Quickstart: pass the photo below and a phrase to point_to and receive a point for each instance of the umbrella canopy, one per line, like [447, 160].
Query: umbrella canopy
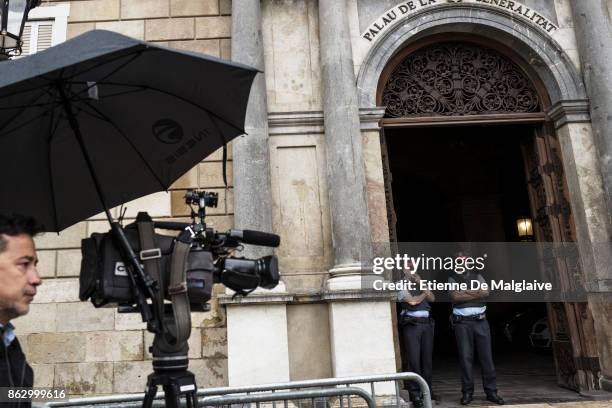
[103, 119]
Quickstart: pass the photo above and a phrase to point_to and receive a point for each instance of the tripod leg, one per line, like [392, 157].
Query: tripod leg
[148, 399]
[172, 397]
[192, 400]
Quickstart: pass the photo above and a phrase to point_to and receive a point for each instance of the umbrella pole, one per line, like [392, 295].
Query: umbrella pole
[74, 125]
[149, 283]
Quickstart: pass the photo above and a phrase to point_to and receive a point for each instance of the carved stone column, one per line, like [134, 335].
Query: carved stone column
[252, 189]
[263, 314]
[594, 38]
[345, 168]
[356, 323]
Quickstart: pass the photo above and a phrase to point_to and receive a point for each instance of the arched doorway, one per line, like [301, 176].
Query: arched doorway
[444, 82]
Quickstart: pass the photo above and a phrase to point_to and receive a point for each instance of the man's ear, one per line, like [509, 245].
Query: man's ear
[3, 243]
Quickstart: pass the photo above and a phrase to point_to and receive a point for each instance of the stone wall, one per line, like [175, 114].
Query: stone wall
[69, 343]
[196, 25]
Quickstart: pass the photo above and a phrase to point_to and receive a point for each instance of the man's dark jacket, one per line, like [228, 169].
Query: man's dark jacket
[14, 371]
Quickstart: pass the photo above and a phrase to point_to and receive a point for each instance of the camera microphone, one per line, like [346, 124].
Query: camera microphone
[171, 225]
[245, 236]
[255, 237]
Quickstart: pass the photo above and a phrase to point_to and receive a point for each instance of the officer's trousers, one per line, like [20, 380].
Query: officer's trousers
[418, 345]
[470, 335]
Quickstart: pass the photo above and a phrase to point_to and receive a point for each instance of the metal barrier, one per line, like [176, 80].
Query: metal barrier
[290, 395]
[270, 391]
[135, 400]
[330, 382]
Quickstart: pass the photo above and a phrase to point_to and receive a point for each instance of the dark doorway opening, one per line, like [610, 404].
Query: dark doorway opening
[468, 184]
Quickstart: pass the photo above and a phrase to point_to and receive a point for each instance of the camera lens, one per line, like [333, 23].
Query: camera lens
[245, 273]
[267, 268]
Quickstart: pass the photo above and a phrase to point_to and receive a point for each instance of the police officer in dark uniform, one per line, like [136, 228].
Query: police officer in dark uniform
[418, 334]
[472, 332]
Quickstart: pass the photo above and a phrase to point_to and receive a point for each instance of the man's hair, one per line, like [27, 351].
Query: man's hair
[15, 224]
[463, 252]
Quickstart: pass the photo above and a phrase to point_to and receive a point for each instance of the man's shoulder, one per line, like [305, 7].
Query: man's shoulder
[15, 347]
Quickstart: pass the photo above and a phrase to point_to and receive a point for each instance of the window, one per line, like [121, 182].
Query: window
[46, 26]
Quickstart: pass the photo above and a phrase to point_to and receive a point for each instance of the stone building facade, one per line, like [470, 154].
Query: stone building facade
[98, 351]
[312, 170]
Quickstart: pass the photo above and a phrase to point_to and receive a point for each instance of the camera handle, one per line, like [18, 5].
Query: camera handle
[177, 287]
[148, 283]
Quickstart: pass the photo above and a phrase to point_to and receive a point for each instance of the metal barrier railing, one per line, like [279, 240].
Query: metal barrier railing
[135, 400]
[270, 391]
[290, 395]
[330, 382]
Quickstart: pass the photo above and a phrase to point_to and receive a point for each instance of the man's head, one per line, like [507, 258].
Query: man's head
[409, 269]
[460, 257]
[18, 274]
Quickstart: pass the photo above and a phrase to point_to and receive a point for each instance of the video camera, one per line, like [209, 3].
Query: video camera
[104, 277]
[140, 271]
[165, 277]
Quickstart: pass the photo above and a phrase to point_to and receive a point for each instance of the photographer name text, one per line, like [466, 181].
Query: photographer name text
[473, 284]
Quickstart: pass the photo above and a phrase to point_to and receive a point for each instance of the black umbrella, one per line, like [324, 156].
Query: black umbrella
[103, 119]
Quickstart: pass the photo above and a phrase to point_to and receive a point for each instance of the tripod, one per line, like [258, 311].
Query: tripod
[170, 364]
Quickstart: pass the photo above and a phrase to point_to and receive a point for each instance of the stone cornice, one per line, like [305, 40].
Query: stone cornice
[370, 117]
[281, 298]
[308, 297]
[358, 295]
[569, 111]
[312, 122]
[296, 118]
[295, 123]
